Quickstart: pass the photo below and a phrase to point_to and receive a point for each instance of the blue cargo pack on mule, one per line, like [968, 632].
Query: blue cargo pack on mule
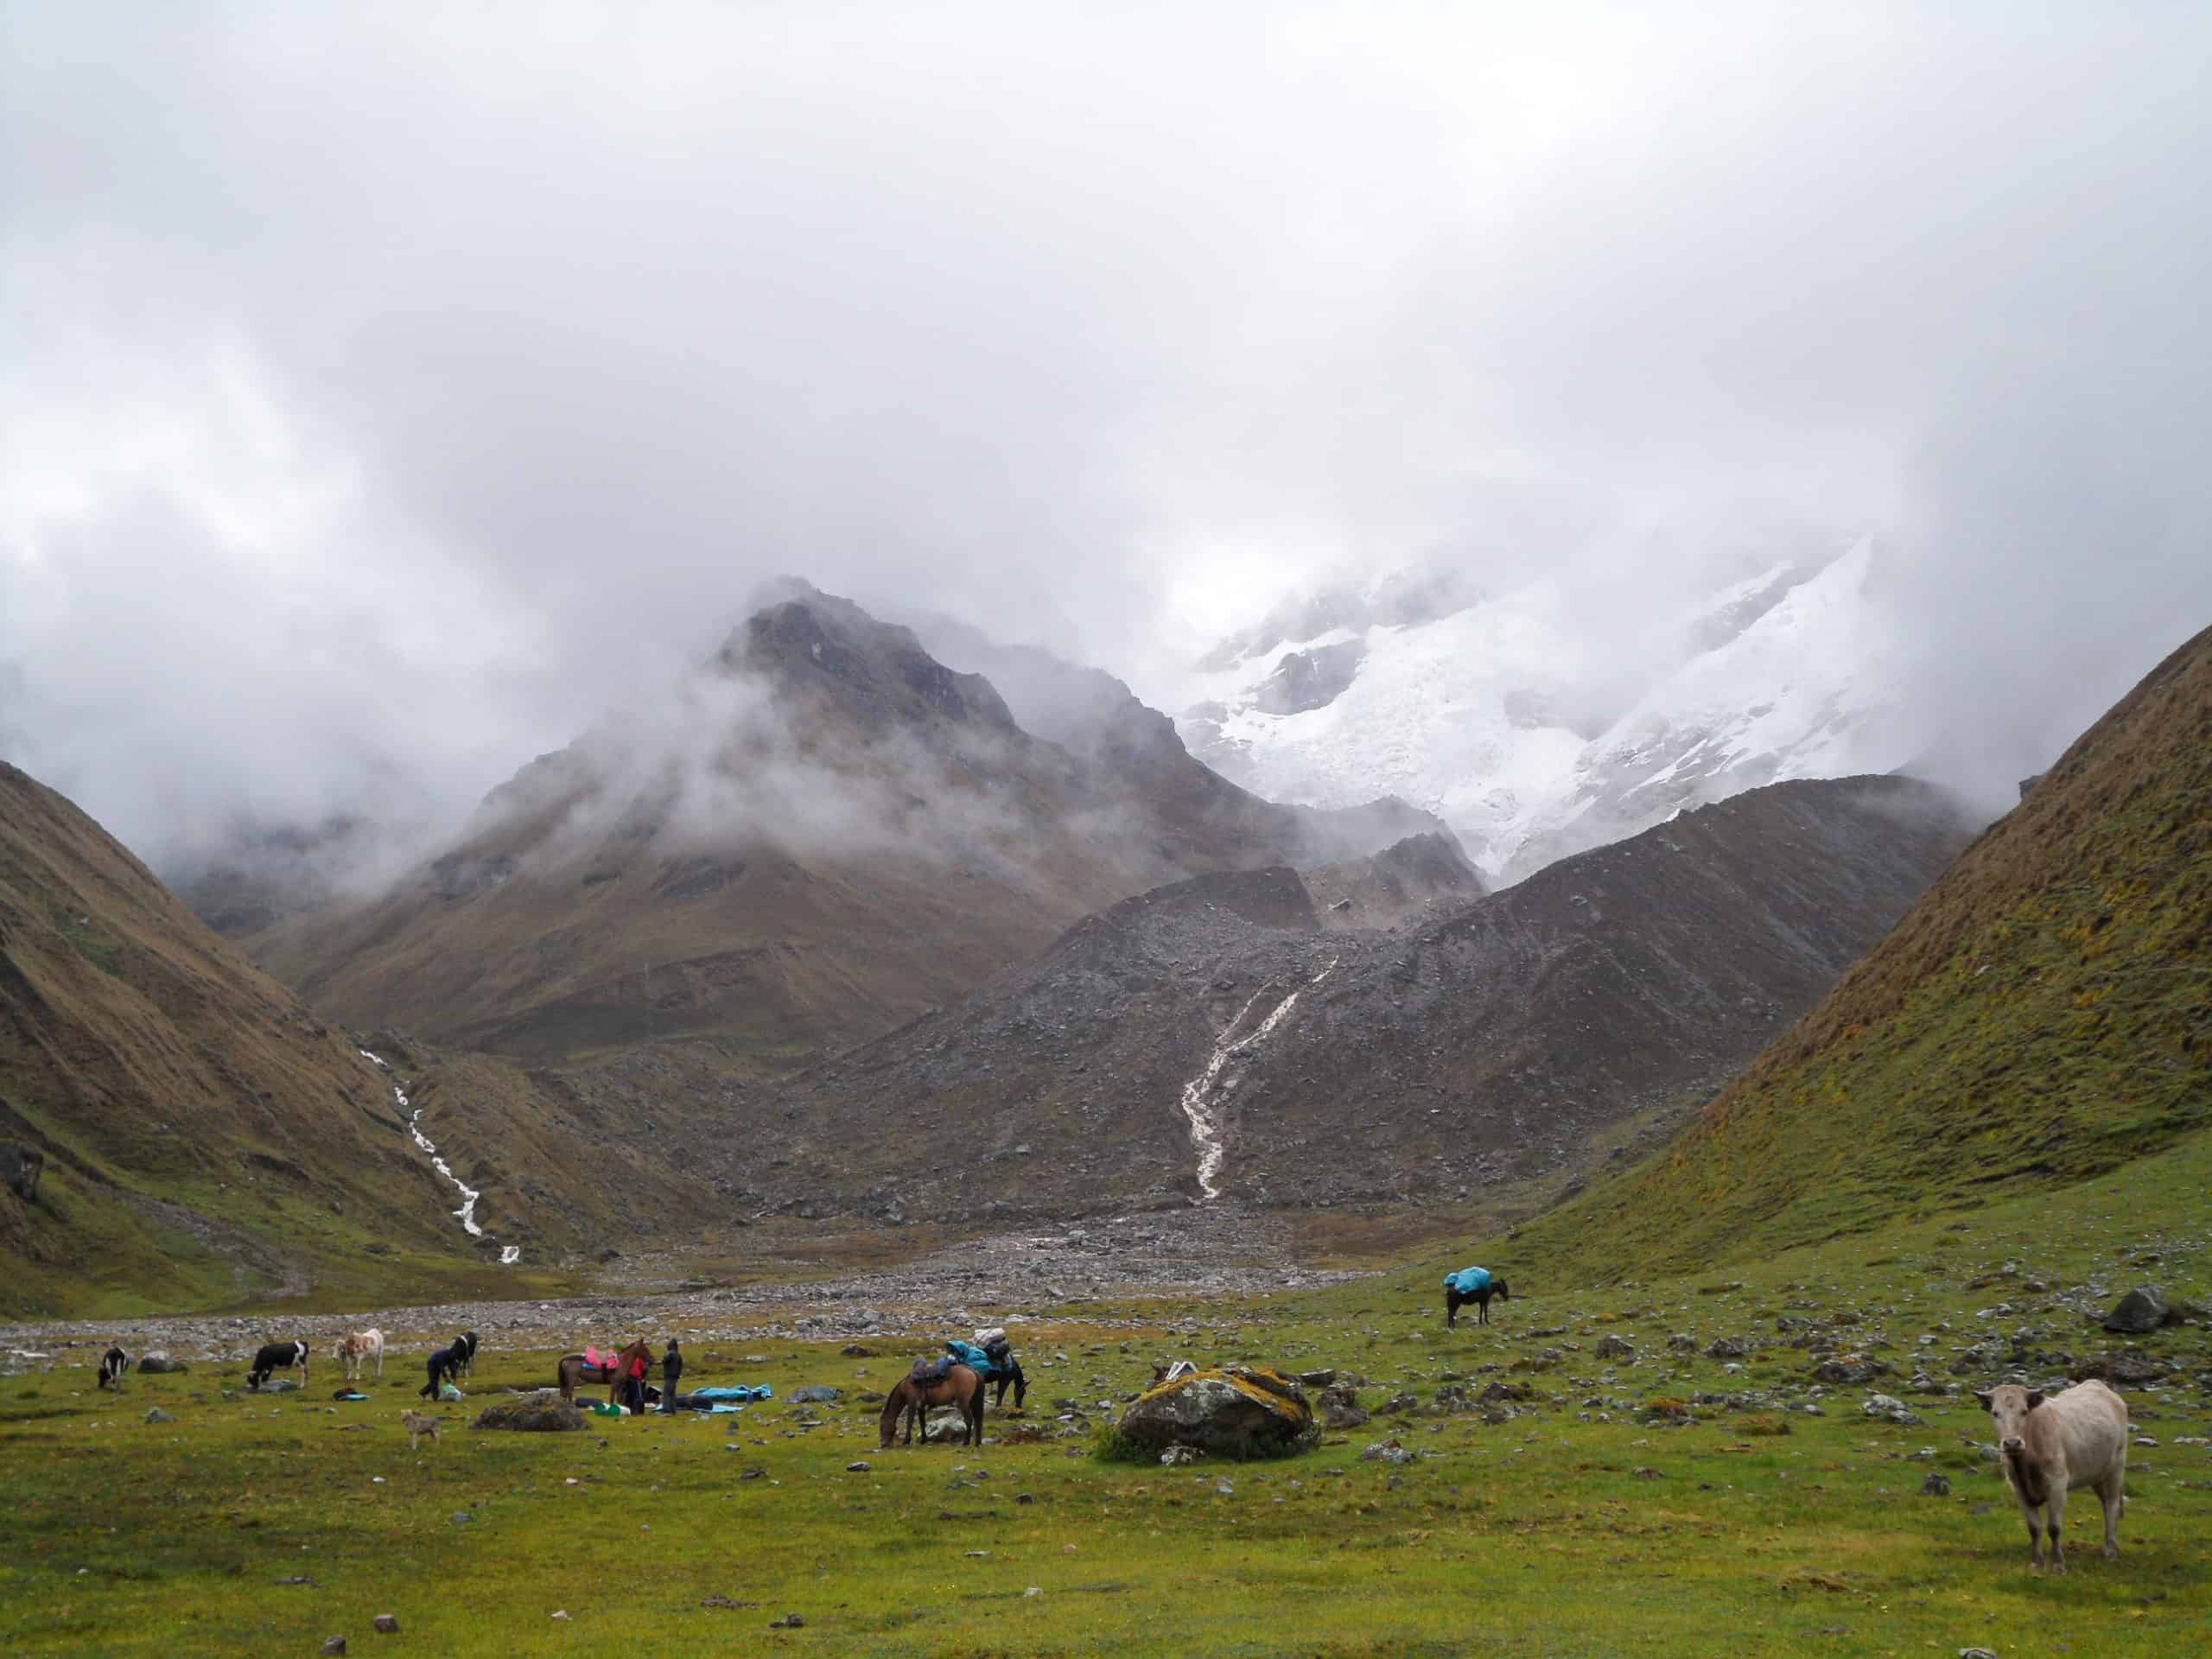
[1468, 1280]
[968, 1354]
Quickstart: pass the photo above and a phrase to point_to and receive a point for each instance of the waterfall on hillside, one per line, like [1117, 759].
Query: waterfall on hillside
[1205, 1098]
[510, 1254]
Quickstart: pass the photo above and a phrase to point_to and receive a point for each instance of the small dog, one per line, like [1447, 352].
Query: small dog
[418, 1424]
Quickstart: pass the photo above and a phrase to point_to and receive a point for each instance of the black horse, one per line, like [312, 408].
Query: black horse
[1453, 1301]
[1006, 1371]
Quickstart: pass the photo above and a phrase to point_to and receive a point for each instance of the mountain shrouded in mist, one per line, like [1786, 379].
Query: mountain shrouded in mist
[815, 834]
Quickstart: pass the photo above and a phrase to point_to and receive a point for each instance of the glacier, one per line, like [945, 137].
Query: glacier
[1508, 720]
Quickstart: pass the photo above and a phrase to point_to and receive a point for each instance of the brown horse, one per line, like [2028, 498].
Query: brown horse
[574, 1370]
[958, 1387]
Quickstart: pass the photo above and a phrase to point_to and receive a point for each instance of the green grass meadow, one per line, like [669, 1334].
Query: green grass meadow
[1554, 1533]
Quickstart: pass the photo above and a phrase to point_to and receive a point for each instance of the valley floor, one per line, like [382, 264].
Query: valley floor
[833, 1285]
[1662, 1502]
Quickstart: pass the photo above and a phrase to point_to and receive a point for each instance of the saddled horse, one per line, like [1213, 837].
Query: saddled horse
[912, 1398]
[1455, 1299]
[574, 1370]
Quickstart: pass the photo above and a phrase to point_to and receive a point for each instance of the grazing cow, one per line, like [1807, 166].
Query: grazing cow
[277, 1356]
[2052, 1443]
[464, 1351]
[113, 1364]
[360, 1348]
[1471, 1285]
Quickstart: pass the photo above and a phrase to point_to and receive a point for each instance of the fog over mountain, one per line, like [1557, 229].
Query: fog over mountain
[386, 394]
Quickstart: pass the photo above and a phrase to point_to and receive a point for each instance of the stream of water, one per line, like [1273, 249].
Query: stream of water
[510, 1254]
[1205, 1098]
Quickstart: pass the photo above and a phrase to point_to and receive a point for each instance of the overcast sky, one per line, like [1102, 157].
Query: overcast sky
[384, 391]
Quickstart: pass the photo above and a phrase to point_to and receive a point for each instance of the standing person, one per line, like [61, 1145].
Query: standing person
[633, 1388]
[671, 1371]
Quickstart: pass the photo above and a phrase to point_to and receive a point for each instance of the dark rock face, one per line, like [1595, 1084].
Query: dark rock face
[1312, 679]
[1234, 1411]
[20, 1167]
[2027, 783]
[2142, 1311]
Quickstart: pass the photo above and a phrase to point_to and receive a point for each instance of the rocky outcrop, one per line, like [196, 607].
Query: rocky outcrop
[1233, 1411]
[2142, 1311]
[1306, 680]
[20, 1168]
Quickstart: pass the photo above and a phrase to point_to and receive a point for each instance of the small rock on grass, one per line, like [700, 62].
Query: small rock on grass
[387, 1625]
[858, 1466]
[788, 1621]
[157, 1415]
[1977, 1653]
[1935, 1486]
[335, 1644]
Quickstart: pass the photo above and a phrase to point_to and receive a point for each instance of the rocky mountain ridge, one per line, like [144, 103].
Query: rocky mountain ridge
[1485, 1041]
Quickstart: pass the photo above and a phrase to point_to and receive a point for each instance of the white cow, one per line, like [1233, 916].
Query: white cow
[2077, 1437]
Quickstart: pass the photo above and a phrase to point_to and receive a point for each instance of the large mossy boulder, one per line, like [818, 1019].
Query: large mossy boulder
[1230, 1411]
[543, 1412]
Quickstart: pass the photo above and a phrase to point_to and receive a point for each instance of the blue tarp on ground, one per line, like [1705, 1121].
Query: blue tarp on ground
[758, 1391]
[1468, 1280]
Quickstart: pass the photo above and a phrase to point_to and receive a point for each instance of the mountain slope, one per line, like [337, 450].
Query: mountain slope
[822, 832]
[1486, 1044]
[2043, 1013]
[206, 1139]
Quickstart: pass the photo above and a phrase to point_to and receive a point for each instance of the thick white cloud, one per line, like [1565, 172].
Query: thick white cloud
[384, 392]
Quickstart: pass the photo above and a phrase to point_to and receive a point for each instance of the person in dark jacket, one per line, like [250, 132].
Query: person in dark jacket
[671, 1373]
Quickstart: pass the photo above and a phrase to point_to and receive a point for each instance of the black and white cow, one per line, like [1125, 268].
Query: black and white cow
[277, 1356]
[464, 1352]
[113, 1364]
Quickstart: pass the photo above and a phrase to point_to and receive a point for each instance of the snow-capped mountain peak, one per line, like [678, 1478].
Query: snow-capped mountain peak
[1534, 739]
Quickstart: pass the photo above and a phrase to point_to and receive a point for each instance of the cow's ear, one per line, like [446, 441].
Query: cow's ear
[1982, 1396]
[2035, 1398]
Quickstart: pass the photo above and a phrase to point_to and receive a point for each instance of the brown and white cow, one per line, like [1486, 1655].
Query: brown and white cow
[361, 1347]
[2053, 1443]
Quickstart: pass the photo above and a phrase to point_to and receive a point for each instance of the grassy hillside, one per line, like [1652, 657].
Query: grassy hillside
[209, 1141]
[2043, 1015]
